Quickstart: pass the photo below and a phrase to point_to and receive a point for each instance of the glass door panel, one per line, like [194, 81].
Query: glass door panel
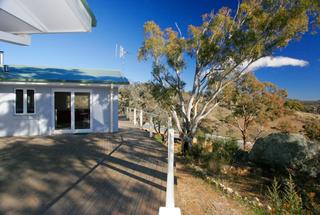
[82, 110]
[62, 107]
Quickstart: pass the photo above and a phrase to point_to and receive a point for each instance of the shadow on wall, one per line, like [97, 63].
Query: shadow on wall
[24, 125]
[100, 110]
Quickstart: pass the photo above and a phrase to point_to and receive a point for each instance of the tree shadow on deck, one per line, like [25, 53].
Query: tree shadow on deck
[34, 171]
[59, 174]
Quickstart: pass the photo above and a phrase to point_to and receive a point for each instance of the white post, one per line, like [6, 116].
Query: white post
[130, 116]
[150, 126]
[127, 113]
[111, 108]
[170, 209]
[169, 122]
[141, 118]
[134, 116]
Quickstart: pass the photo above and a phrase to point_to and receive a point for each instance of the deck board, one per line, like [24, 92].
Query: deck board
[72, 174]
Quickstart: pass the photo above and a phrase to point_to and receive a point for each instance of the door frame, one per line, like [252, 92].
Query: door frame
[72, 91]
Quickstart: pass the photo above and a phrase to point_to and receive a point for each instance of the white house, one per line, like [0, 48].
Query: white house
[46, 101]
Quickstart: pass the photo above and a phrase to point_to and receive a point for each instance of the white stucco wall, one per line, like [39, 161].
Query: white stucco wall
[41, 123]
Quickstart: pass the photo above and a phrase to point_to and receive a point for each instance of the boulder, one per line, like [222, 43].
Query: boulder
[282, 150]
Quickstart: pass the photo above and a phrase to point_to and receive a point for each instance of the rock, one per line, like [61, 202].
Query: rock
[269, 208]
[229, 190]
[282, 150]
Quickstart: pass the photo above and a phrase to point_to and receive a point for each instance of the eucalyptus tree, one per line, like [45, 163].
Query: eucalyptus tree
[254, 103]
[221, 49]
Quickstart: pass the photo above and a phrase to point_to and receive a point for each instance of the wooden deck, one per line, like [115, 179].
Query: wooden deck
[83, 174]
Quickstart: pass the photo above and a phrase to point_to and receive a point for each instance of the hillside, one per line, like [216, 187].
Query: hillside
[218, 124]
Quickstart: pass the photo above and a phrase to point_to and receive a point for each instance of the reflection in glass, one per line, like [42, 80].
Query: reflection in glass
[30, 101]
[62, 106]
[19, 101]
[82, 110]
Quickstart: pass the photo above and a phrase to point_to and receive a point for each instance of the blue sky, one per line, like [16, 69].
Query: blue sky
[122, 22]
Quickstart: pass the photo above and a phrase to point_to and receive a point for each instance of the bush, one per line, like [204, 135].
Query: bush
[225, 149]
[201, 136]
[223, 152]
[286, 126]
[158, 138]
[312, 129]
[197, 151]
[294, 105]
[287, 201]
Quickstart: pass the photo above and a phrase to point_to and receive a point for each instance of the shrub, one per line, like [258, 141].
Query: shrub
[225, 149]
[294, 105]
[312, 129]
[286, 126]
[201, 136]
[287, 201]
[223, 152]
[158, 138]
[197, 151]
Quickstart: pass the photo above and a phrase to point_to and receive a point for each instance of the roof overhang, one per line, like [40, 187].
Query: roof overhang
[21, 18]
[59, 84]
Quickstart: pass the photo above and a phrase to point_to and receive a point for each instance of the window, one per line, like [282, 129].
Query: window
[25, 101]
[30, 101]
[19, 101]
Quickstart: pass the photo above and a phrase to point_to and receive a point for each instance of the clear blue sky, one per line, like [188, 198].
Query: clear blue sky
[121, 22]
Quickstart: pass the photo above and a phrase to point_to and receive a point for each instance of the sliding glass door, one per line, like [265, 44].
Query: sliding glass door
[72, 111]
[82, 110]
[62, 107]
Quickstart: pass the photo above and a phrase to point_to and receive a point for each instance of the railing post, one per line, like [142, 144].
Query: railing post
[169, 209]
[134, 116]
[169, 122]
[141, 118]
[127, 113]
[150, 126]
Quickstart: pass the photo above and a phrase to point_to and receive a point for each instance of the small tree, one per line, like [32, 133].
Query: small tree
[295, 105]
[254, 103]
[222, 48]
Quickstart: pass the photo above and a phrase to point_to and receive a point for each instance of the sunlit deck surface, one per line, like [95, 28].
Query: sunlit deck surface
[83, 174]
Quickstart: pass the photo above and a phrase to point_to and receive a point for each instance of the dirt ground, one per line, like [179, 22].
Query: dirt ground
[195, 196]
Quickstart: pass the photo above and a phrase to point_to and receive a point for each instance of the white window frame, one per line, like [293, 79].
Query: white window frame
[73, 129]
[25, 102]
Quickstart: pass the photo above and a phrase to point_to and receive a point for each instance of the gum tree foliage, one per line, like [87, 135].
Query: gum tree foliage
[254, 103]
[139, 95]
[221, 48]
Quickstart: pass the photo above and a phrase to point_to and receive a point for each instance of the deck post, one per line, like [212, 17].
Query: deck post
[150, 126]
[141, 118]
[169, 122]
[169, 208]
[127, 113]
[134, 116]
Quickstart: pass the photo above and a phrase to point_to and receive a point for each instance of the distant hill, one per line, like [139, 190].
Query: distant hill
[311, 106]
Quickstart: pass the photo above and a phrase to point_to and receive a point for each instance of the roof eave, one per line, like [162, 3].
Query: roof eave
[93, 18]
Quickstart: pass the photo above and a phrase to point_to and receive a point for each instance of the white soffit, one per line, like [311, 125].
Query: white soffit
[22, 17]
